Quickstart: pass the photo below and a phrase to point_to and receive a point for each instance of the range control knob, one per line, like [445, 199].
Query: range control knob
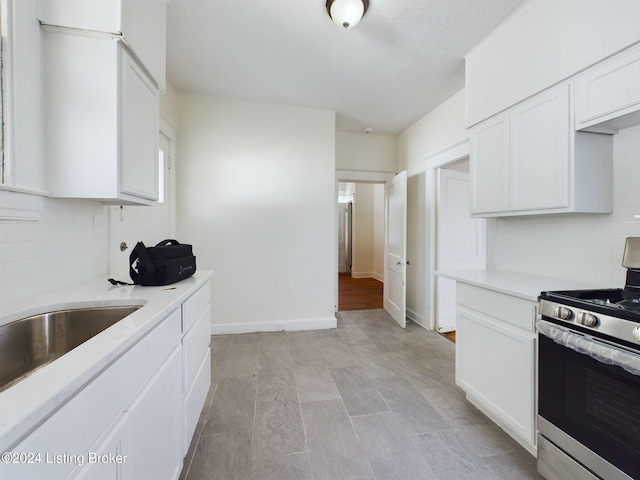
[636, 334]
[587, 319]
[564, 313]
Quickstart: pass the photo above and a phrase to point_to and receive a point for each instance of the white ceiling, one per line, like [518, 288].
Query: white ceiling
[403, 59]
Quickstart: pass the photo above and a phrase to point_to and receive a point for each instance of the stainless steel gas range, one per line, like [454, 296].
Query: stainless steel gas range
[589, 380]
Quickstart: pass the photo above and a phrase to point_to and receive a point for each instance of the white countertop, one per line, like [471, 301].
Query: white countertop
[26, 404]
[517, 284]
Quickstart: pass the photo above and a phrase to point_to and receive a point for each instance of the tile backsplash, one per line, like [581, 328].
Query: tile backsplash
[60, 249]
[581, 247]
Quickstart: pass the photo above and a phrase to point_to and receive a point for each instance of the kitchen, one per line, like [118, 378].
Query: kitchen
[56, 242]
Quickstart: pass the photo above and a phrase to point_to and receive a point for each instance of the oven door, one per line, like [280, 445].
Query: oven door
[589, 401]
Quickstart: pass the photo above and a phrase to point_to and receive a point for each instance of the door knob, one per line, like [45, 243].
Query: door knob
[408, 262]
[399, 263]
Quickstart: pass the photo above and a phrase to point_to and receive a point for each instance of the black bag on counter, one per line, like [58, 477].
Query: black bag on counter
[166, 263]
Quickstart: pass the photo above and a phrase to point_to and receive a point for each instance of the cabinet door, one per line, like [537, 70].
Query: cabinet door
[539, 151]
[110, 459]
[609, 89]
[489, 166]
[156, 424]
[138, 131]
[195, 398]
[495, 365]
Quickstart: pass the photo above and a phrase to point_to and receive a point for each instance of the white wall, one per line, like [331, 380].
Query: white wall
[256, 198]
[44, 243]
[368, 231]
[366, 152]
[362, 259]
[58, 250]
[169, 107]
[585, 248]
[542, 43]
[436, 131]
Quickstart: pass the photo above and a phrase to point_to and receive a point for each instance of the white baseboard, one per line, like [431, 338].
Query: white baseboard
[375, 275]
[362, 274]
[276, 326]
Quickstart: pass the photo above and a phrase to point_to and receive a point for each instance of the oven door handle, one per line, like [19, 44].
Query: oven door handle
[599, 351]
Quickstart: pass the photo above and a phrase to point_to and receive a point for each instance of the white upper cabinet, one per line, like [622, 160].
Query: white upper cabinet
[539, 149]
[141, 23]
[101, 120]
[529, 160]
[490, 166]
[138, 128]
[608, 94]
[543, 43]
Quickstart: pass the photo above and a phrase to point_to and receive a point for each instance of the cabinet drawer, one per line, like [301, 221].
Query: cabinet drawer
[195, 306]
[195, 398]
[512, 310]
[98, 405]
[194, 346]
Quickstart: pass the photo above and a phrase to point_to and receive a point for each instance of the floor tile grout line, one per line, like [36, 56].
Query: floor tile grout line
[304, 428]
[255, 410]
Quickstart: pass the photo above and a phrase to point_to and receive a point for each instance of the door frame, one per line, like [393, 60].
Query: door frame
[355, 176]
[445, 287]
[454, 153]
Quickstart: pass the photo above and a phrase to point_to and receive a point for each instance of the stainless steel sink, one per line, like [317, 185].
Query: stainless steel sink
[33, 342]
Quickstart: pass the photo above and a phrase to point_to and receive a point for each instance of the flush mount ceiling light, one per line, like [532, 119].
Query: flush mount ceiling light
[347, 13]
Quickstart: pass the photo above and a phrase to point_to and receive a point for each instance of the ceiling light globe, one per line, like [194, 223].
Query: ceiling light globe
[346, 13]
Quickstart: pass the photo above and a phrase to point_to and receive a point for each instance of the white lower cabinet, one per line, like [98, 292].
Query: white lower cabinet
[196, 364]
[135, 420]
[496, 359]
[156, 449]
[111, 458]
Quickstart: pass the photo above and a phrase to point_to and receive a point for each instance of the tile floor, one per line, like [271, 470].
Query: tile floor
[368, 400]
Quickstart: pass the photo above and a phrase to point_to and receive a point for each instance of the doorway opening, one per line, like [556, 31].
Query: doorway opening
[459, 238]
[360, 213]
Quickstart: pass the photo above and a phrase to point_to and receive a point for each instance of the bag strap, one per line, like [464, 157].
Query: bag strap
[168, 241]
[141, 254]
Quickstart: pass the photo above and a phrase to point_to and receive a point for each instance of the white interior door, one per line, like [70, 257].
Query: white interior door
[395, 248]
[460, 241]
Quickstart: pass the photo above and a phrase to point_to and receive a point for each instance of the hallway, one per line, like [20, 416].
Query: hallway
[358, 293]
[367, 400]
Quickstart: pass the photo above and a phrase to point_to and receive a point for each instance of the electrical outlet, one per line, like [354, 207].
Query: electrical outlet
[98, 225]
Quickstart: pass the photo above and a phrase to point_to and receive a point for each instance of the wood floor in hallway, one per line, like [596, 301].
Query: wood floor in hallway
[359, 293]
